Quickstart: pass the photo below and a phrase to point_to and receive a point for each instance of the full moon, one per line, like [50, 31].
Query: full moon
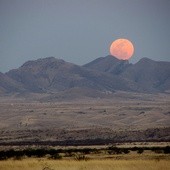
[122, 49]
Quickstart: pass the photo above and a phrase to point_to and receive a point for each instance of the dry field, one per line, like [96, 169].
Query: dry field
[43, 164]
[25, 120]
[100, 159]
[34, 120]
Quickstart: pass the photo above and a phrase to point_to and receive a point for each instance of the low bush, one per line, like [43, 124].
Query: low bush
[55, 156]
[79, 157]
[167, 150]
[140, 151]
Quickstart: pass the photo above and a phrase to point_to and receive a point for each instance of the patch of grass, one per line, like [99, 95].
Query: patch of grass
[45, 164]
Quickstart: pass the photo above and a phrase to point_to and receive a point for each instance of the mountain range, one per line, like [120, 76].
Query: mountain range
[99, 78]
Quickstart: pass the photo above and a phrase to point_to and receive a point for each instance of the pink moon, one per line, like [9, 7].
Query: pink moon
[122, 49]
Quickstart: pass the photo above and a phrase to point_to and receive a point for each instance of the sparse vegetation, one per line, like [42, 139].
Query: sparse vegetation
[96, 147]
[21, 123]
[80, 157]
[77, 153]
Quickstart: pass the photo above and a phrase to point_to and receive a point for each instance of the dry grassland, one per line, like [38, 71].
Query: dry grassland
[44, 164]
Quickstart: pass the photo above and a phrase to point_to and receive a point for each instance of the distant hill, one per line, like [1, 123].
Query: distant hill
[99, 78]
[55, 75]
[146, 75]
[151, 76]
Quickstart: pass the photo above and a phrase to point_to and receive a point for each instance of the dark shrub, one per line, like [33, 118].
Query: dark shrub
[3, 155]
[86, 150]
[140, 150]
[126, 151]
[80, 158]
[167, 150]
[56, 156]
[114, 150]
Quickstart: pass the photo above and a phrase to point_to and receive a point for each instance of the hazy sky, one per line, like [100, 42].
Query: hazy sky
[80, 31]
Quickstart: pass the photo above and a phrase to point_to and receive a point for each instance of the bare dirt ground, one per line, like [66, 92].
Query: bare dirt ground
[31, 120]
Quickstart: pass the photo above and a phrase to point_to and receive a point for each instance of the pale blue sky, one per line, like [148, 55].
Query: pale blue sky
[80, 31]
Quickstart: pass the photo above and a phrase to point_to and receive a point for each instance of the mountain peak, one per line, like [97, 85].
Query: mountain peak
[108, 64]
[42, 61]
[145, 60]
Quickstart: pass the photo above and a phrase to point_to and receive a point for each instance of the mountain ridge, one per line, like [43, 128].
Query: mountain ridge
[102, 75]
[108, 64]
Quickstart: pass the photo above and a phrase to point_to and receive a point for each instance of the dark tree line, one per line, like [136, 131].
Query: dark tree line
[55, 153]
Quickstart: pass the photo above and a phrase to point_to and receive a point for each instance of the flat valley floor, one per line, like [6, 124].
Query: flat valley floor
[31, 120]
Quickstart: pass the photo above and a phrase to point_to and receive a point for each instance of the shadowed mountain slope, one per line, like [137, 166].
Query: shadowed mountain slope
[8, 85]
